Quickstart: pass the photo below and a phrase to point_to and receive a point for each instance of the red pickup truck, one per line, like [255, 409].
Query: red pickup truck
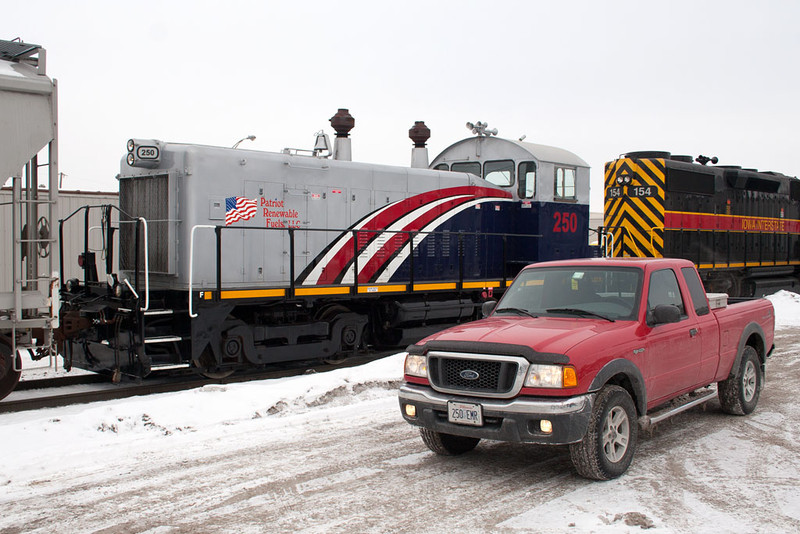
[585, 352]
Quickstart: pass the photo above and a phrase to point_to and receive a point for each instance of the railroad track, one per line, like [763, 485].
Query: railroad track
[81, 389]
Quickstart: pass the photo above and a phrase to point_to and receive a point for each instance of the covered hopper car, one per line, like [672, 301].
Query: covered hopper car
[741, 227]
[233, 258]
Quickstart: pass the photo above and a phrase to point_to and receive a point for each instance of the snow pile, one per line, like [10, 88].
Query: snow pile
[206, 409]
[787, 308]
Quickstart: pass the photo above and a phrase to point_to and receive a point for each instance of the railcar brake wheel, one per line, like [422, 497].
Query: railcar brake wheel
[9, 378]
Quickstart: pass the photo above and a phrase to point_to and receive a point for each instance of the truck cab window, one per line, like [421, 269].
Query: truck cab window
[499, 172]
[664, 290]
[527, 179]
[472, 167]
[565, 184]
[696, 290]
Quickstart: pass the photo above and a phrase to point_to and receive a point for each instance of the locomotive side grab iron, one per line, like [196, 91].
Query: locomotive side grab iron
[232, 258]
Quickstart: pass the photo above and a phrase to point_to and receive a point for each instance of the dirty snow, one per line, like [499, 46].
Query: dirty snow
[329, 452]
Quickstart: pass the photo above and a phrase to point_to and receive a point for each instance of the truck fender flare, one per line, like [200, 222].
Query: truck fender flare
[629, 369]
[749, 330]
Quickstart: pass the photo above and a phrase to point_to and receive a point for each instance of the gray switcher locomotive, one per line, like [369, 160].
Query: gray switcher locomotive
[220, 259]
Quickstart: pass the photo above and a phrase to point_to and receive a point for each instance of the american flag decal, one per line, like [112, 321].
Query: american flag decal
[239, 209]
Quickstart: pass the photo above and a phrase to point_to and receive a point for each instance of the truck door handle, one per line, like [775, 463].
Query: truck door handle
[693, 332]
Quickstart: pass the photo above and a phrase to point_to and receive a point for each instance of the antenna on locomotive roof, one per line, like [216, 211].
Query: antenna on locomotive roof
[480, 129]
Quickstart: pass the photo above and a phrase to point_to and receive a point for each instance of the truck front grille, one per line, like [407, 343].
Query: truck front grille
[473, 375]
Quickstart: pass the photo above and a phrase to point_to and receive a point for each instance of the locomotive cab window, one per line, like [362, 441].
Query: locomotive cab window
[499, 172]
[565, 183]
[527, 179]
[472, 167]
[442, 167]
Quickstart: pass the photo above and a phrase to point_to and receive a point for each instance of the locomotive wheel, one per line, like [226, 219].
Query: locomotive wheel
[9, 378]
[206, 365]
[327, 314]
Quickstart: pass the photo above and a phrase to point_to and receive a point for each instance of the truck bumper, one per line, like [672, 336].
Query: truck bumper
[516, 420]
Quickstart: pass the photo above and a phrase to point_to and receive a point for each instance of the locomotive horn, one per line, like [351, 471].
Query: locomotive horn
[702, 160]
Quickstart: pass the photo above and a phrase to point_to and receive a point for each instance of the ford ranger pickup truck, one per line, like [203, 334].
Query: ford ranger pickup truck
[585, 352]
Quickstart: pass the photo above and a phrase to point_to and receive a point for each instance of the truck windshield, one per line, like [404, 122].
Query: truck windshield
[610, 293]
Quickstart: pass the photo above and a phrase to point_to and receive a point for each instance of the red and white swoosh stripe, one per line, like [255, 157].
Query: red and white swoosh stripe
[383, 246]
[401, 256]
[411, 214]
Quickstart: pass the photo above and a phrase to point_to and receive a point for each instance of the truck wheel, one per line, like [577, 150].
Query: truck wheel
[447, 444]
[738, 395]
[607, 448]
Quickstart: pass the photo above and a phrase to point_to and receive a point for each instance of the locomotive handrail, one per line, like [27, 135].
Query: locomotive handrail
[652, 237]
[608, 236]
[357, 250]
[146, 267]
[191, 263]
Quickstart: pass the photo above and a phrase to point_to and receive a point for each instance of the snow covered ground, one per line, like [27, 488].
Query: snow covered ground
[329, 452]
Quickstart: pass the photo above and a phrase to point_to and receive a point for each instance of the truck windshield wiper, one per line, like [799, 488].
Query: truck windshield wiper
[578, 311]
[518, 311]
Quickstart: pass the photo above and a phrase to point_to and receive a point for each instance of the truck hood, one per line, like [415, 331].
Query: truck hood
[543, 334]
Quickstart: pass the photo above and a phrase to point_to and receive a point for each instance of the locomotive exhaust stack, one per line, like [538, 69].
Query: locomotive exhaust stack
[342, 122]
[420, 134]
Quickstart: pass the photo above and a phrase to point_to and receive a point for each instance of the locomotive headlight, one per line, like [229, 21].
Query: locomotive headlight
[416, 365]
[551, 376]
[619, 180]
[144, 153]
[627, 179]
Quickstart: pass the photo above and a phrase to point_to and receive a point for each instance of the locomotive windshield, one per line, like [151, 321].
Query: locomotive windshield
[583, 291]
[499, 172]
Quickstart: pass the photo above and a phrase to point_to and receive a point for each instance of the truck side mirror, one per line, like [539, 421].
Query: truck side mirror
[488, 308]
[666, 313]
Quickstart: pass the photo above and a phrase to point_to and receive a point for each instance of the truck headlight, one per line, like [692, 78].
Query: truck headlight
[551, 376]
[416, 365]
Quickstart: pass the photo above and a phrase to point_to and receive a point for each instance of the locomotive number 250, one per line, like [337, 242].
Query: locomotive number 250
[565, 222]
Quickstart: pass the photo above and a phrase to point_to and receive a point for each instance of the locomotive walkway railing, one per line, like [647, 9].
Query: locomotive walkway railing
[108, 244]
[413, 241]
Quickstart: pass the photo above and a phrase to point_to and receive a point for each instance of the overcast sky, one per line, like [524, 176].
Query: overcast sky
[718, 78]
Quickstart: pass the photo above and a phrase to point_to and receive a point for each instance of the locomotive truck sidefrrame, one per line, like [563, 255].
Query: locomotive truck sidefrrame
[582, 352]
[235, 258]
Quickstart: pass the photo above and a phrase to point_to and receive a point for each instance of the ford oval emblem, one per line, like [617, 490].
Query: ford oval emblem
[469, 374]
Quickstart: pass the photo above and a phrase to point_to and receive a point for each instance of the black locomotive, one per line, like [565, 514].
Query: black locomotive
[741, 227]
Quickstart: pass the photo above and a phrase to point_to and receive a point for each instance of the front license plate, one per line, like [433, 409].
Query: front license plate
[464, 413]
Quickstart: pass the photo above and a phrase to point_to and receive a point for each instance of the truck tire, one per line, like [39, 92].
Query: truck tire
[607, 449]
[447, 444]
[738, 395]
